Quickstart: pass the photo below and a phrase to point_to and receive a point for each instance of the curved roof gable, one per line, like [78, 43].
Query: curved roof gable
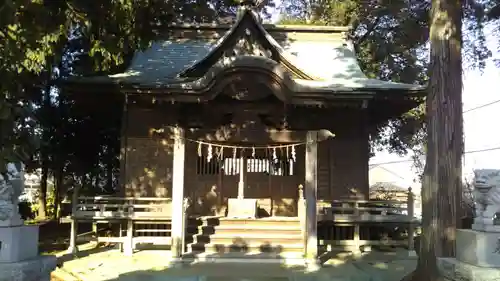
[246, 37]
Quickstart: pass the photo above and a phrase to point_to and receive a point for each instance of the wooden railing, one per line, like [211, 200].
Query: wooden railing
[358, 224]
[106, 208]
[146, 220]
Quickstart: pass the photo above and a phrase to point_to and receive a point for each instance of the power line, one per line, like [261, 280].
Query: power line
[411, 160]
[467, 152]
[481, 106]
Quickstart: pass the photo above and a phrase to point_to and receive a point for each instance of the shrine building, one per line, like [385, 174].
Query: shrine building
[237, 139]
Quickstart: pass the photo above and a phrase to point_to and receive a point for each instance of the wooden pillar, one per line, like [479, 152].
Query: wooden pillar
[411, 214]
[120, 234]
[128, 241]
[128, 248]
[357, 245]
[241, 183]
[73, 247]
[311, 186]
[178, 192]
[301, 212]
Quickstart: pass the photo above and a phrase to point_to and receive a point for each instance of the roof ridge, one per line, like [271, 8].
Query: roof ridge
[269, 27]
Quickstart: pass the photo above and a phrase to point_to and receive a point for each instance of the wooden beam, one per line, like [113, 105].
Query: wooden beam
[178, 192]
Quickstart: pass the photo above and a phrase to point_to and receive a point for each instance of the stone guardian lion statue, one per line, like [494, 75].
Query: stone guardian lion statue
[11, 187]
[486, 196]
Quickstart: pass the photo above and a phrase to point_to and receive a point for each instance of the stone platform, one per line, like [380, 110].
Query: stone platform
[455, 270]
[18, 243]
[477, 257]
[19, 259]
[35, 269]
[478, 248]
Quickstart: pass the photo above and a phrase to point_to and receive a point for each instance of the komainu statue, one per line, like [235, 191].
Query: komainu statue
[486, 198]
[11, 187]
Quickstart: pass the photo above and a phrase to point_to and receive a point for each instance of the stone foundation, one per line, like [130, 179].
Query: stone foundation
[478, 248]
[18, 243]
[477, 257]
[35, 269]
[486, 227]
[19, 259]
[455, 270]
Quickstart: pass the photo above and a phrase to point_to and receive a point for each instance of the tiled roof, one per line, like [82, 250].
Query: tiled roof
[324, 54]
[334, 63]
[164, 60]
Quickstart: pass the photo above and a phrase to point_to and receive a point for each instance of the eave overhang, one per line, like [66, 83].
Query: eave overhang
[208, 70]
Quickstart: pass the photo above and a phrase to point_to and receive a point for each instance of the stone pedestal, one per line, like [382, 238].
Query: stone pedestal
[34, 269]
[486, 227]
[242, 208]
[19, 259]
[478, 248]
[455, 270]
[14, 220]
[477, 257]
[18, 243]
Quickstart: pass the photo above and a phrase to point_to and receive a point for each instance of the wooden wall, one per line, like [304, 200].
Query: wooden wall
[343, 168]
[147, 163]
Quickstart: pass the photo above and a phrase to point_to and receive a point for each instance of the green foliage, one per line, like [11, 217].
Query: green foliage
[50, 208]
[391, 41]
[25, 211]
[44, 40]
[30, 33]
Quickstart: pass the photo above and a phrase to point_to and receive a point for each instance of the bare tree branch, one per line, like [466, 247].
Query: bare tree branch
[369, 30]
[494, 13]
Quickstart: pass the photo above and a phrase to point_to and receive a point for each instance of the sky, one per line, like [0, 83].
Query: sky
[481, 104]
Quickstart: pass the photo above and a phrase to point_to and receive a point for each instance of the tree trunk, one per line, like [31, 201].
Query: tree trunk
[42, 197]
[58, 186]
[94, 181]
[109, 168]
[443, 169]
[44, 151]
[447, 87]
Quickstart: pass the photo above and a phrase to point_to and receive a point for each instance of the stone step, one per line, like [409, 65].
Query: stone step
[248, 238]
[275, 222]
[246, 248]
[238, 229]
[289, 258]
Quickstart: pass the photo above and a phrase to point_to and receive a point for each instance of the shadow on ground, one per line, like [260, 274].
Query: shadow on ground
[112, 265]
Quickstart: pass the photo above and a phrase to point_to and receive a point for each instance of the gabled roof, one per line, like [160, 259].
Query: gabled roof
[302, 59]
[259, 43]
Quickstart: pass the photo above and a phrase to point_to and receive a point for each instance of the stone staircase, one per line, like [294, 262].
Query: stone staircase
[245, 238]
